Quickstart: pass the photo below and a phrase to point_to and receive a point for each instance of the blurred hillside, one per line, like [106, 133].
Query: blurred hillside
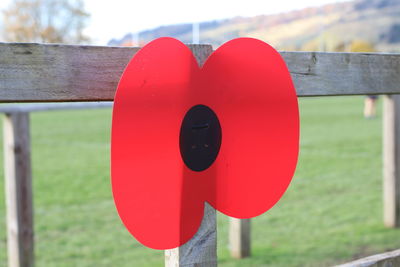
[325, 28]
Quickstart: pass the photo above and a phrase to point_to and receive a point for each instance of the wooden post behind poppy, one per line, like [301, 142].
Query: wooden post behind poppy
[201, 250]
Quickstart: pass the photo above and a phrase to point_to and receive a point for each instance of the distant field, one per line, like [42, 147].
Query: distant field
[331, 213]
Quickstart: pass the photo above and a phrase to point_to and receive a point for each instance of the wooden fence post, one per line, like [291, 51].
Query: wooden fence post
[240, 237]
[391, 160]
[201, 250]
[18, 190]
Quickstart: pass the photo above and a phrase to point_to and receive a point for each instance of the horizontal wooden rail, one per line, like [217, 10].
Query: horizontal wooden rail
[385, 259]
[25, 108]
[45, 73]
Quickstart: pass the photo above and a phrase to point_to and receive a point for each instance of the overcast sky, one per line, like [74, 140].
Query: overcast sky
[113, 19]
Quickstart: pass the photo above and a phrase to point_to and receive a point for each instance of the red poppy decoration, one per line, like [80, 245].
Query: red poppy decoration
[226, 134]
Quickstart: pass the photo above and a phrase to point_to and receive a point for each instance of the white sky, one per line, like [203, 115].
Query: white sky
[113, 19]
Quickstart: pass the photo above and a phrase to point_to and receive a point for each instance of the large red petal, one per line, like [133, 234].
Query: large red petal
[155, 198]
[251, 91]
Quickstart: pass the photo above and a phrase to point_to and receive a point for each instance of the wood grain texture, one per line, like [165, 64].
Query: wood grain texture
[240, 237]
[391, 161]
[388, 259]
[18, 190]
[41, 72]
[322, 74]
[45, 73]
[201, 250]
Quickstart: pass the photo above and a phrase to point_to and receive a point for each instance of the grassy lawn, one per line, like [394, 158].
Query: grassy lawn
[332, 212]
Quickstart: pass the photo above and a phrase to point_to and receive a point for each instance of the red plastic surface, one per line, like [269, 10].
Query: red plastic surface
[247, 84]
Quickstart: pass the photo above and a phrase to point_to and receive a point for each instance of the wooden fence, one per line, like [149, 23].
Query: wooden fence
[62, 73]
[16, 125]
[18, 176]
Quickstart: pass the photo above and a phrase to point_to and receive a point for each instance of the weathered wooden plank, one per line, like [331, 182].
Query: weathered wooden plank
[240, 237]
[34, 107]
[322, 74]
[201, 250]
[391, 161]
[18, 190]
[388, 259]
[39, 72]
[45, 73]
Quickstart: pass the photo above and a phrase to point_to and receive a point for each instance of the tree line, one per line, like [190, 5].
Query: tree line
[45, 21]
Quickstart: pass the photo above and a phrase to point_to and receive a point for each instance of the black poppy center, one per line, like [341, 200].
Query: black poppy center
[200, 138]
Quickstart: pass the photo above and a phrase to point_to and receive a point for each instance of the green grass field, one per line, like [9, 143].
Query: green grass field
[331, 213]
